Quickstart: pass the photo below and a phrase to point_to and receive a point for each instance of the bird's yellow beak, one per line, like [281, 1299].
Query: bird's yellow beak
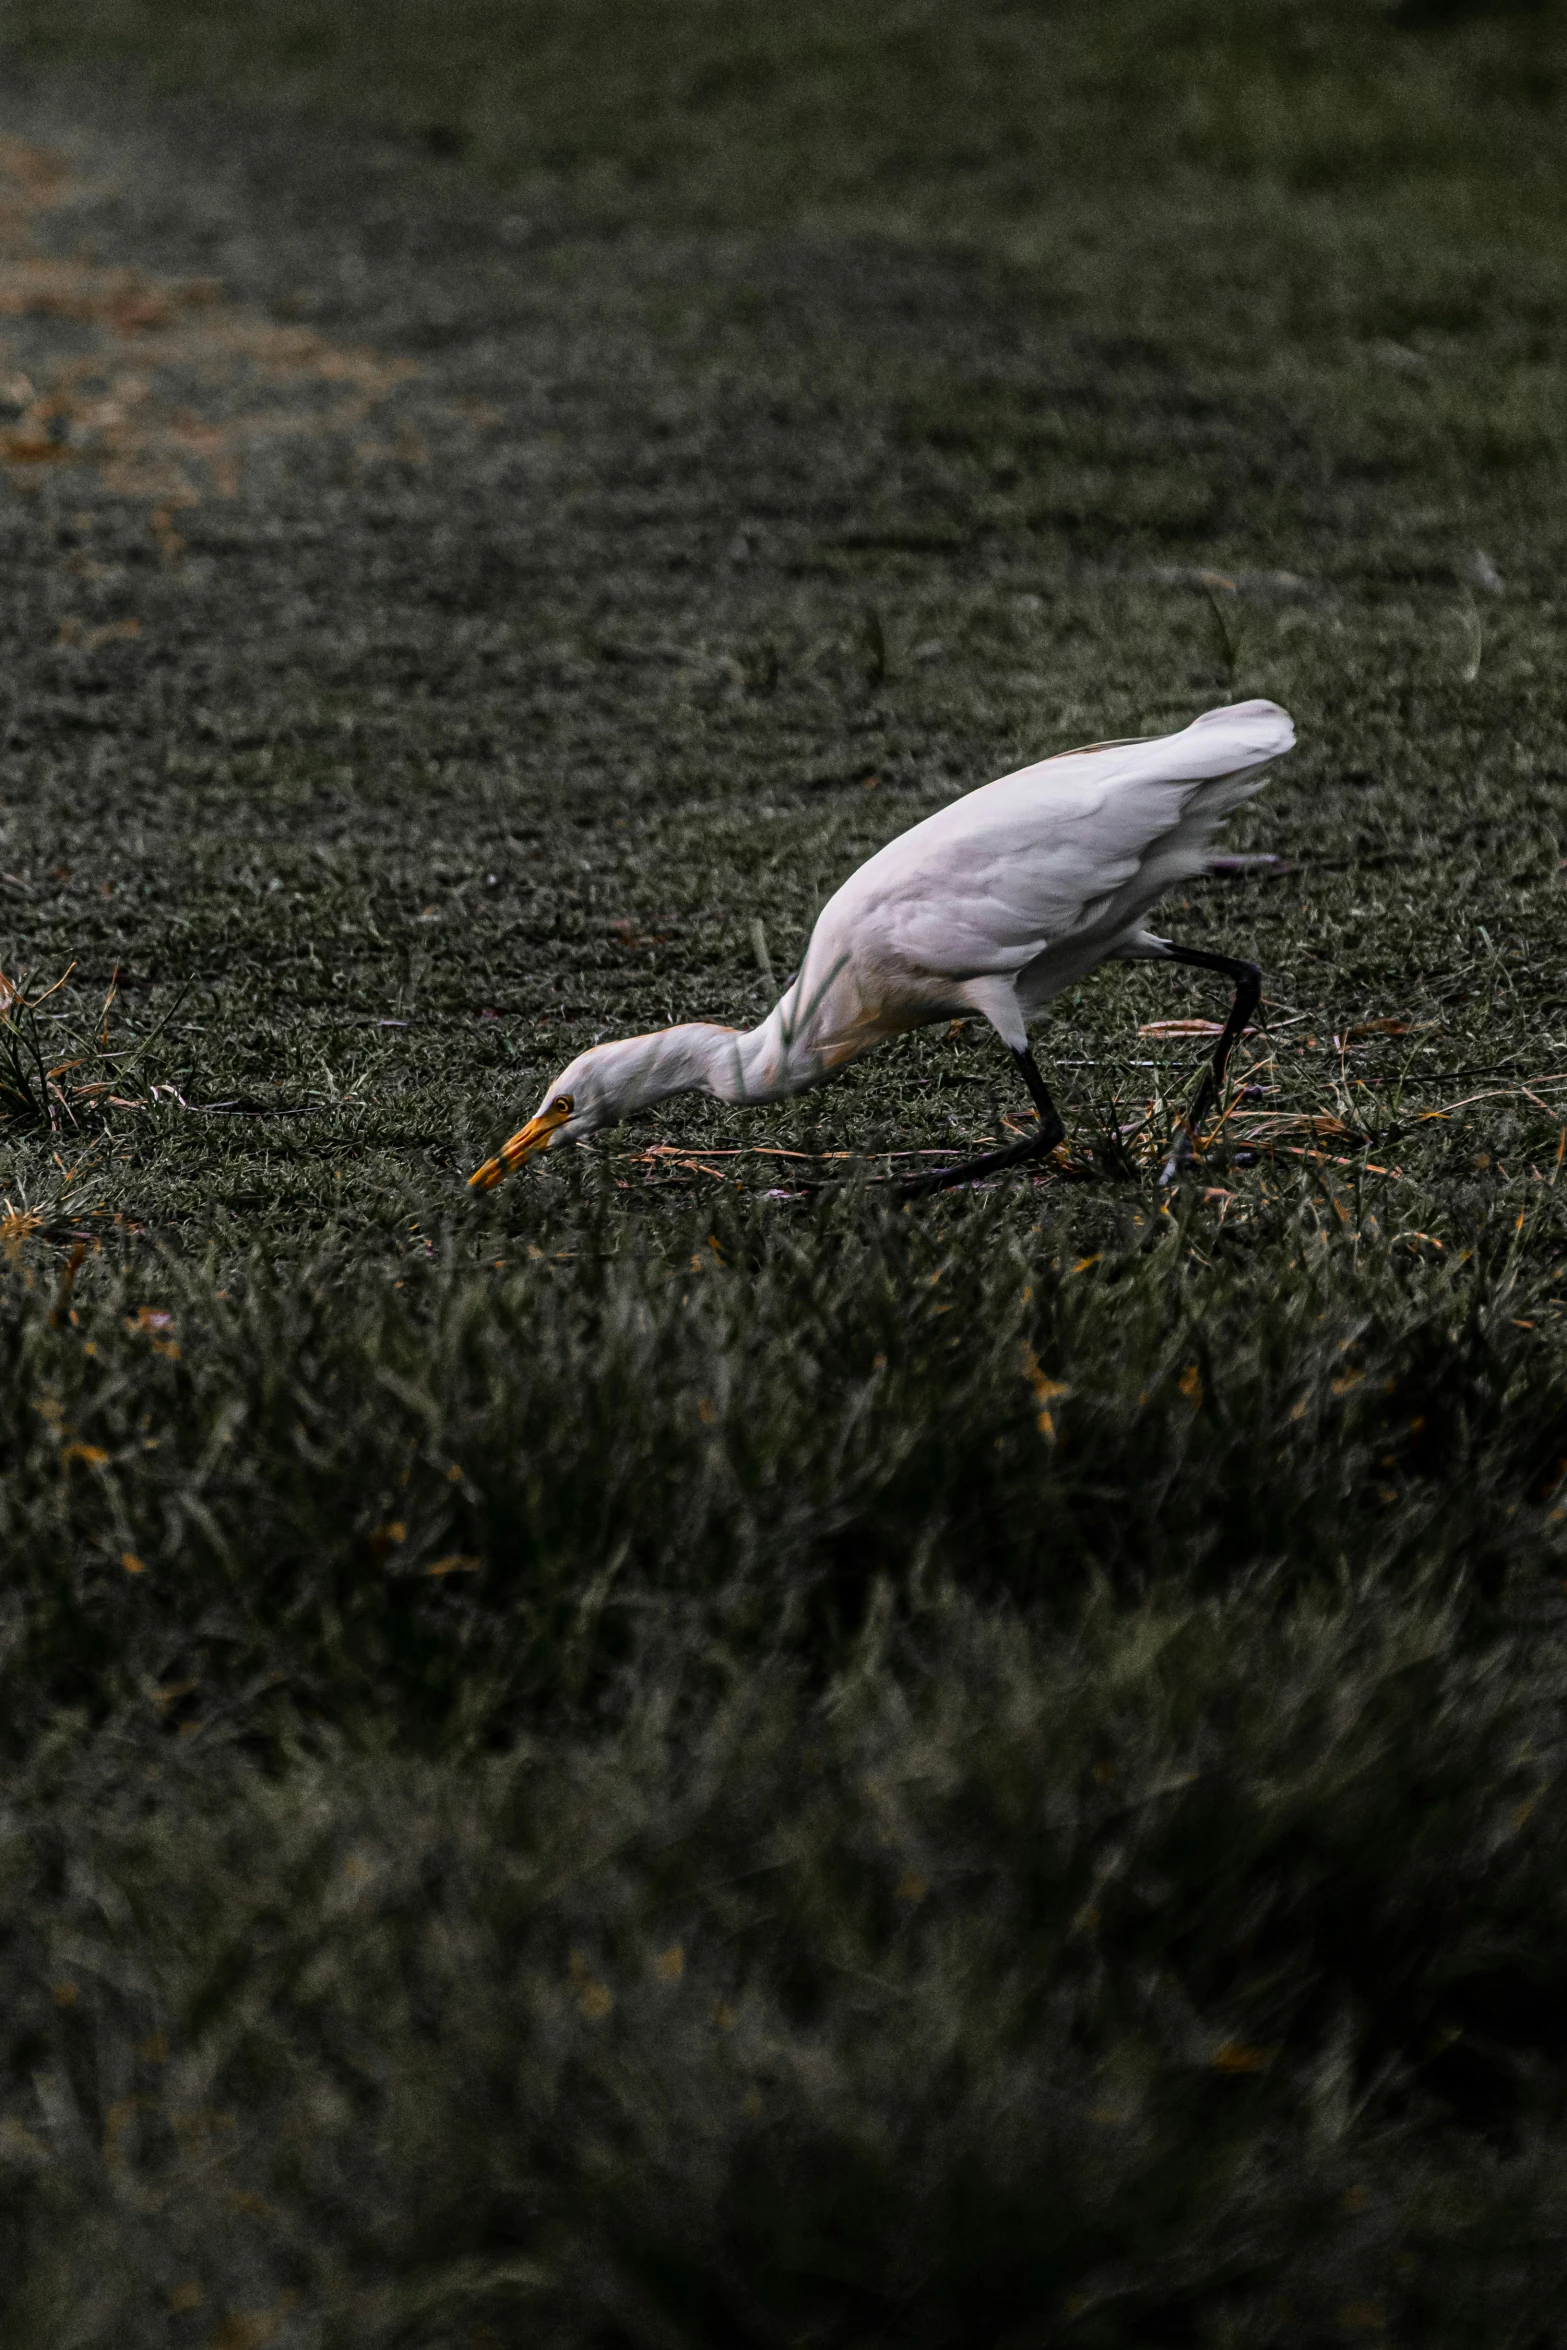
[535, 1136]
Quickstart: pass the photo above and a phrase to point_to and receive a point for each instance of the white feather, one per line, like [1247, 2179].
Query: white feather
[1033, 879]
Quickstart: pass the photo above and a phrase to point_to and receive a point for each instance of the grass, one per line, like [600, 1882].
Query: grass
[658, 1758]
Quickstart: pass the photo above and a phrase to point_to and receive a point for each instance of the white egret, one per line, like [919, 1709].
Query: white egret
[993, 905]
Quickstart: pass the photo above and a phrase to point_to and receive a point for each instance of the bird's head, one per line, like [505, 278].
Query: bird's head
[593, 1091]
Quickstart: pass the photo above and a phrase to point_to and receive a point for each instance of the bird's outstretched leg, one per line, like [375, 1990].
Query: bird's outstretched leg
[1052, 1130]
[1247, 981]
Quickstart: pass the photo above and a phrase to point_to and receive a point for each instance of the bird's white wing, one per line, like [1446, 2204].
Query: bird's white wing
[989, 882]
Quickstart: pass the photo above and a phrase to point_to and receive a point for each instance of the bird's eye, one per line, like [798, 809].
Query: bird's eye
[564, 1103]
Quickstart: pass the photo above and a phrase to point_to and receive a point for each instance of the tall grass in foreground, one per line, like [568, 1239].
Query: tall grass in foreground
[478, 1489]
[523, 1870]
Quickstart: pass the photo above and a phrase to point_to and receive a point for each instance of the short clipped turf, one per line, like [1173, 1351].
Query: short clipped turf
[683, 1754]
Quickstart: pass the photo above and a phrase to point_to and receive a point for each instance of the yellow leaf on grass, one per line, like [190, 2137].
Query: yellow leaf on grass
[1046, 1392]
[17, 1225]
[1238, 2056]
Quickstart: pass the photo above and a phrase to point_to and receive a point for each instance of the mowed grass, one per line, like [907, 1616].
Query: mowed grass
[682, 1754]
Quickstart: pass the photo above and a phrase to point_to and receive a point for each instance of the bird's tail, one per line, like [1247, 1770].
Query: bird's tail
[1244, 734]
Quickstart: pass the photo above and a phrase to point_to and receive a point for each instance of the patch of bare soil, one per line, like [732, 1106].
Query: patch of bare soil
[164, 386]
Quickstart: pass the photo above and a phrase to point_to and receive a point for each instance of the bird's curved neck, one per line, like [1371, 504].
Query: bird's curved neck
[736, 1064]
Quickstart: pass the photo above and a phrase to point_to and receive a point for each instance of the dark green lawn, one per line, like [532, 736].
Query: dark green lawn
[666, 1758]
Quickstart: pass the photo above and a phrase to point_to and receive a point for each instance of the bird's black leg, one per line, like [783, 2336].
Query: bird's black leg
[1247, 981]
[1052, 1130]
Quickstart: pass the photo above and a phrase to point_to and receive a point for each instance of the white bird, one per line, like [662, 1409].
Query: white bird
[993, 905]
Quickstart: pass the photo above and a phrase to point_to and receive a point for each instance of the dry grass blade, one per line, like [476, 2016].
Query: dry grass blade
[1159, 1028]
[32, 1087]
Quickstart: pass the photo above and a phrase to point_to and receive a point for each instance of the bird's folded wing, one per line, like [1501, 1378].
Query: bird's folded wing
[989, 882]
[994, 899]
